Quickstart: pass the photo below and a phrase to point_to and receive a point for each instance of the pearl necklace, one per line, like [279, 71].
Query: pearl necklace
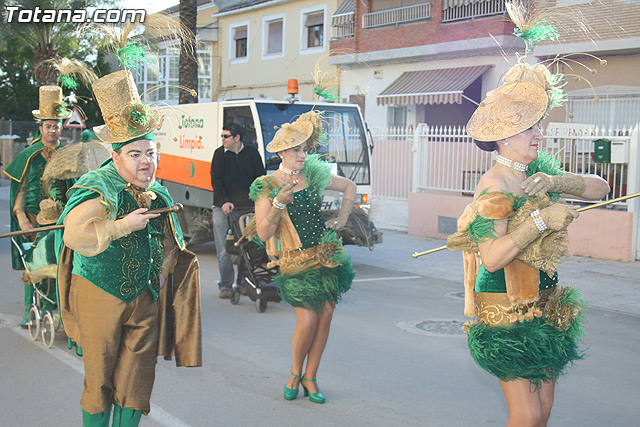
[520, 167]
[288, 171]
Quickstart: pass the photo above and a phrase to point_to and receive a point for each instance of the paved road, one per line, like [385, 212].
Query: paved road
[381, 368]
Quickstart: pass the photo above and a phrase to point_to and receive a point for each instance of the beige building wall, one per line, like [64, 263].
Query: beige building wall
[262, 75]
[618, 71]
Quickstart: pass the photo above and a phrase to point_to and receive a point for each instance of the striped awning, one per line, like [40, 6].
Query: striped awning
[347, 6]
[444, 86]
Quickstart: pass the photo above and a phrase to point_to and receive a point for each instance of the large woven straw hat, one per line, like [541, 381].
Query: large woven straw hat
[125, 117]
[521, 102]
[74, 160]
[49, 212]
[51, 106]
[306, 128]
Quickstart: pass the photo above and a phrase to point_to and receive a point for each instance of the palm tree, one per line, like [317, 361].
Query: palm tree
[46, 39]
[188, 65]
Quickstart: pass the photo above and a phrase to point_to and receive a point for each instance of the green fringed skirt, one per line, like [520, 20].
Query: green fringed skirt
[536, 350]
[312, 289]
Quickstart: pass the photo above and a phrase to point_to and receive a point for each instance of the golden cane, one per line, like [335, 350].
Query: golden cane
[586, 208]
[177, 208]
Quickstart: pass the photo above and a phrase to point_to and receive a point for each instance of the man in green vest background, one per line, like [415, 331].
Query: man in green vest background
[26, 171]
[120, 267]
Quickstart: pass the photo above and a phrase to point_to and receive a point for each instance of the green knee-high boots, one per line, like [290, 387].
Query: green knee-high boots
[71, 344]
[96, 420]
[122, 417]
[125, 417]
[28, 300]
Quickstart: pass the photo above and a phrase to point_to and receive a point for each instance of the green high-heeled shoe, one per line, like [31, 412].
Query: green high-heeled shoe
[313, 397]
[291, 393]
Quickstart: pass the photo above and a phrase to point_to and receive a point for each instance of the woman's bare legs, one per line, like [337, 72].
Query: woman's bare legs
[302, 337]
[547, 393]
[528, 408]
[317, 346]
[309, 340]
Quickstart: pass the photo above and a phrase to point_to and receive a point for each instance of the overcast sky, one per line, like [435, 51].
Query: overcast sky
[150, 5]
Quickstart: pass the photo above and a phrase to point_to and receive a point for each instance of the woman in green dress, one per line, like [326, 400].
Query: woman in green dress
[527, 326]
[315, 269]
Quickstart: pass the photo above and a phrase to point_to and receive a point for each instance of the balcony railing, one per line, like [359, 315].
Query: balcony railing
[400, 15]
[342, 26]
[474, 9]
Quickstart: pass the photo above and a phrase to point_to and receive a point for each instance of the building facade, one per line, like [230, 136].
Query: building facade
[414, 61]
[263, 44]
[607, 96]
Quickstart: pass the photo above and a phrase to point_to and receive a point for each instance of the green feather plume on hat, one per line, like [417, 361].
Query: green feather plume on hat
[129, 42]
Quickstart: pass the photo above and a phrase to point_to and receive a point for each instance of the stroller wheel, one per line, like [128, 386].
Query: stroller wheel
[234, 298]
[261, 305]
[48, 330]
[33, 323]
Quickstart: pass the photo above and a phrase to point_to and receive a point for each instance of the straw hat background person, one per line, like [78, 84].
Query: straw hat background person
[315, 269]
[26, 171]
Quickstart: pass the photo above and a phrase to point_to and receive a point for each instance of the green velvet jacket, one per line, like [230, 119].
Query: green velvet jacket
[132, 263]
[29, 162]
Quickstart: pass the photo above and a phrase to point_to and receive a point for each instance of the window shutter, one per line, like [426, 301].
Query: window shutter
[240, 33]
[274, 43]
[314, 19]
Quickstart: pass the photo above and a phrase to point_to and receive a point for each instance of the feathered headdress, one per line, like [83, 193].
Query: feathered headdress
[528, 92]
[130, 42]
[126, 117]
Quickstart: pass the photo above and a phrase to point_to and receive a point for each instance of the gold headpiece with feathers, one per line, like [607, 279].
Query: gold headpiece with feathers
[528, 92]
[326, 82]
[68, 70]
[129, 42]
[126, 117]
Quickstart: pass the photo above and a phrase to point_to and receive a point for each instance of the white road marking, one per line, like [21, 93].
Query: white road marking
[157, 414]
[388, 278]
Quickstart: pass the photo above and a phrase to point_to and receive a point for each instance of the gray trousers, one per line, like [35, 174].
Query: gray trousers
[225, 263]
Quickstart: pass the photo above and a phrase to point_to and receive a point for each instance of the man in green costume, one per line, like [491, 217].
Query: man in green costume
[116, 262]
[25, 172]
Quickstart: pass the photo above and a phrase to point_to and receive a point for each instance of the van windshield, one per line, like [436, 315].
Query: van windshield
[346, 142]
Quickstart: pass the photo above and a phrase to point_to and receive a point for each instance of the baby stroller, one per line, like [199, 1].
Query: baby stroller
[39, 262]
[252, 264]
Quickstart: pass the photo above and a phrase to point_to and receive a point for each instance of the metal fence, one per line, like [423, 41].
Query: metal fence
[391, 162]
[444, 158]
[476, 9]
[19, 129]
[397, 16]
[343, 26]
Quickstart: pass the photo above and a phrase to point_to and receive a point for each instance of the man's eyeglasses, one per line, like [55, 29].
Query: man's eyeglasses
[226, 136]
[137, 156]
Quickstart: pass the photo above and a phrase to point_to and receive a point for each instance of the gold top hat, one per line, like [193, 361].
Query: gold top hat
[49, 212]
[306, 128]
[125, 117]
[521, 102]
[51, 105]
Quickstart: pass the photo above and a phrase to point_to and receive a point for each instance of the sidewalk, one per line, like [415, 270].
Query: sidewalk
[608, 285]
